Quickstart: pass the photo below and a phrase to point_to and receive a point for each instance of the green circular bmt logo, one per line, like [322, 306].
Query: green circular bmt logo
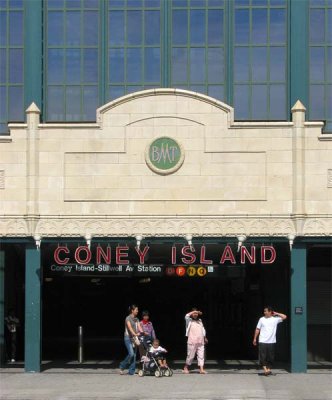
[164, 155]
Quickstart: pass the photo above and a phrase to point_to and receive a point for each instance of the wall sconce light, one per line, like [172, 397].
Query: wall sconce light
[139, 239]
[88, 239]
[37, 240]
[291, 237]
[189, 239]
[241, 239]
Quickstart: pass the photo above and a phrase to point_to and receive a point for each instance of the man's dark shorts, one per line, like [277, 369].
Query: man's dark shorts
[266, 354]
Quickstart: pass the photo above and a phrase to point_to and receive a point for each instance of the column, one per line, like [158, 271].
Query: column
[298, 311]
[33, 280]
[2, 307]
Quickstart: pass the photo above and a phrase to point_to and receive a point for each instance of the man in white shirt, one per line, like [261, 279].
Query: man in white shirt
[266, 329]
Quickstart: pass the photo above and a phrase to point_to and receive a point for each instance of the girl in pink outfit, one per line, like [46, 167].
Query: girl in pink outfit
[196, 334]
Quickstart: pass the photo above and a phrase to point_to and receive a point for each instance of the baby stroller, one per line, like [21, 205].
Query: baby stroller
[149, 362]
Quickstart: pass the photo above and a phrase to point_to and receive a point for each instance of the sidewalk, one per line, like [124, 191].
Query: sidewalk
[101, 381]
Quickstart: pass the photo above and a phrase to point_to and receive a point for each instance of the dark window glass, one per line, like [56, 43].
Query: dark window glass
[55, 63]
[215, 27]
[116, 63]
[317, 102]
[179, 27]
[259, 25]
[241, 2]
[73, 103]
[73, 27]
[90, 65]
[90, 25]
[179, 3]
[259, 2]
[216, 3]
[73, 3]
[277, 25]
[90, 102]
[116, 91]
[317, 64]
[197, 65]
[15, 105]
[259, 64]
[16, 3]
[55, 4]
[329, 25]
[259, 101]
[134, 3]
[241, 63]
[241, 101]
[55, 28]
[134, 27]
[15, 28]
[329, 64]
[215, 65]
[197, 27]
[3, 105]
[116, 28]
[152, 3]
[117, 3]
[16, 66]
[3, 69]
[277, 63]
[317, 25]
[179, 64]
[3, 28]
[73, 66]
[91, 3]
[152, 27]
[152, 65]
[134, 65]
[241, 26]
[277, 102]
[216, 91]
[55, 104]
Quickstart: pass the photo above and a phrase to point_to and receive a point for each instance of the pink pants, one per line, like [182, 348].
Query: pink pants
[192, 349]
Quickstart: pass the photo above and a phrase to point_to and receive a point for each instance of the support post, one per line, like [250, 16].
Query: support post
[298, 311]
[298, 51]
[33, 280]
[2, 307]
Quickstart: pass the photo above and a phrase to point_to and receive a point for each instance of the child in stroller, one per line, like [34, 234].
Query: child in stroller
[154, 362]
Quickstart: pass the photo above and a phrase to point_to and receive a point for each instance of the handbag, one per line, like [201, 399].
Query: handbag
[136, 341]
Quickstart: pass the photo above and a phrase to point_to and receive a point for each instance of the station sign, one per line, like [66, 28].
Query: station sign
[185, 261]
[145, 270]
[119, 255]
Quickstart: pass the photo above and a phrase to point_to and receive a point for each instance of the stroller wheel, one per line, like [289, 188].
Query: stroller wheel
[170, 372]
[140, 372]
[157, 373]
[167, 372]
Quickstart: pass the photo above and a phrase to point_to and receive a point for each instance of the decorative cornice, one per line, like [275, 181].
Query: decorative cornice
[164, 227]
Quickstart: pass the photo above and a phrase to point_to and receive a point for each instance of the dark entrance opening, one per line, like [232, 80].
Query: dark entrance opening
[231, 303]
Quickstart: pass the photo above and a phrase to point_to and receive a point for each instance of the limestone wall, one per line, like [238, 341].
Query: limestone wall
[267, 178]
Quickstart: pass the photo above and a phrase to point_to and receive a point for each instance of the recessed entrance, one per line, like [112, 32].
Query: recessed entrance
[231, 301]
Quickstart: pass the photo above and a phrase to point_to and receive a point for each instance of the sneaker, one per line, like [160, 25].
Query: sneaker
[12, 360]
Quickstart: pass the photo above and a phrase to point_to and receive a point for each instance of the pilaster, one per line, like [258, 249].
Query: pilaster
[33, 120]
[298, 155]
[33, 337]
[298, 313]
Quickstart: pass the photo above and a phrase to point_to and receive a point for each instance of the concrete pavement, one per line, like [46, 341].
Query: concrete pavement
[97, 381]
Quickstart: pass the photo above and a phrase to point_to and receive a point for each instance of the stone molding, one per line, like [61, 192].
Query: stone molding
[165, 227]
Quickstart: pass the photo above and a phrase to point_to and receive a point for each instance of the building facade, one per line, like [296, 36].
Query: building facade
[194, 131]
